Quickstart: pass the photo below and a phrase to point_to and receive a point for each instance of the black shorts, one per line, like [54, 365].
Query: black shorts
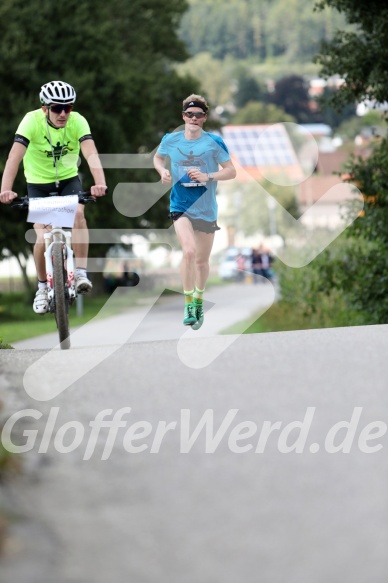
[198, 224]
[66, 187]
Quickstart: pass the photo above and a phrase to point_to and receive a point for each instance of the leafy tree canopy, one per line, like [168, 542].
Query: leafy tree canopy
[257, 29]
[291, 94]
[358, 56]
[120, 58]
[256, 112]
[248, 89]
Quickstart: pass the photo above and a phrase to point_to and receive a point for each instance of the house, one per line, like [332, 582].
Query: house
[259, 152]
[265, 151]
[328, 173]
[262, 150]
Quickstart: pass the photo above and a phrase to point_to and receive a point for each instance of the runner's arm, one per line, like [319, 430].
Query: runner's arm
[10, 171]
[227, 172]
[159, 164]
[89, 151]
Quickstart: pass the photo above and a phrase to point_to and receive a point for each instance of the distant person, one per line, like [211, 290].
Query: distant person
[44, 139]
[256, 265]
[266, 261]
[195, 157]
[240, 260]
[125, 277]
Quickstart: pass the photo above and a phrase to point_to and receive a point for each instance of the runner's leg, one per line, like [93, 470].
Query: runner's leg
[187, 240]
[204, 244]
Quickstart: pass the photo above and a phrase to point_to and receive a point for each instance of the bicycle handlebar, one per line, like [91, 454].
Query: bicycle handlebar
[23, 201]
[19, 202]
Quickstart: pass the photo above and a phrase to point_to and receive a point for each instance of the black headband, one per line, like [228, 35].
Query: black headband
[195, 104]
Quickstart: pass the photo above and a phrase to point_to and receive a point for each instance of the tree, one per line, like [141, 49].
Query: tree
[120, 57]
[333, 116]
[371, 123]
[291, 94]
[256, 112]
[360, 57]
[257, 29]
[248, 89]
[212, 75]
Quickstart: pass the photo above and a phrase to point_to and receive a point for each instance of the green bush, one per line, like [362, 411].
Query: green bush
[319, 295]
[4, 345]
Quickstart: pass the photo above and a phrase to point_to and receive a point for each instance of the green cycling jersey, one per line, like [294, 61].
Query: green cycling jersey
[52, 153]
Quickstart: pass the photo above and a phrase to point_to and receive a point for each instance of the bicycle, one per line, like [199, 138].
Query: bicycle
[59, 259]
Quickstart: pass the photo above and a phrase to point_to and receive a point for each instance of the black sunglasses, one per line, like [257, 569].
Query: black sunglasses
[60, 108]
[196, 114]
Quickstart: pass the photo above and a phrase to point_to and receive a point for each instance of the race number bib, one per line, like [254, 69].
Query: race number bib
[58, 211]
[184, 166]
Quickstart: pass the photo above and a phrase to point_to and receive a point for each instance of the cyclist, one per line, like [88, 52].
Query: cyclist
[49, 140]
[196, 157]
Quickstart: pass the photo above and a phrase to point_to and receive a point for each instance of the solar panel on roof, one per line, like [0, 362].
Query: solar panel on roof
[259, 145]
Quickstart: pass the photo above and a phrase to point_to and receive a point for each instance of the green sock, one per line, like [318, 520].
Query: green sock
[198, 295]
[188, 296]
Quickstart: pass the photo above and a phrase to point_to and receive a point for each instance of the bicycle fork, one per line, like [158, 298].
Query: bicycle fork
[56, 236]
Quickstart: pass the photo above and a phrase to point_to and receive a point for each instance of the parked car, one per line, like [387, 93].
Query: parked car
[228, 269]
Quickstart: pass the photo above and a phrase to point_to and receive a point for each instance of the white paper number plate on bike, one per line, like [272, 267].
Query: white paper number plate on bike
[53, 210]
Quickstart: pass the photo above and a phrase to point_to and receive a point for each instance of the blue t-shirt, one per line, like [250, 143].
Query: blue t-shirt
[198, 202]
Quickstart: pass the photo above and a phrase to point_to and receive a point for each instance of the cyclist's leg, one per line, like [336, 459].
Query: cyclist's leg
[39, 249]
[40, 305]
[80, 237]
[81, 248]
[40, 191]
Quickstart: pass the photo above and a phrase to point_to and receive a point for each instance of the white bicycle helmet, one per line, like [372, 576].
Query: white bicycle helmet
[57, 92]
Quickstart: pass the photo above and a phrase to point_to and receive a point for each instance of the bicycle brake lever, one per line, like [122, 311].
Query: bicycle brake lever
[19, 202]
[85, 200]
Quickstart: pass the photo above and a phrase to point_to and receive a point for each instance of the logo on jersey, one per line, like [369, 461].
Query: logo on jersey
[57, 151]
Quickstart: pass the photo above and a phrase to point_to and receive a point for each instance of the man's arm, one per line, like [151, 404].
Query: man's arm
[159, 164]
[227, 173]
[89, 151]
[15, 156]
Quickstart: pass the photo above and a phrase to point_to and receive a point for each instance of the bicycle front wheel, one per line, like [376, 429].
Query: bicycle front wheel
[61, 297]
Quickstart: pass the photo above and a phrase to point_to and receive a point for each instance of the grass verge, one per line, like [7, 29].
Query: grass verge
[282, 317]
[18, 321]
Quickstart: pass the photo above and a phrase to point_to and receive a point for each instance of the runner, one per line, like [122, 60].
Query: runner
[195, 156]
[49, 140]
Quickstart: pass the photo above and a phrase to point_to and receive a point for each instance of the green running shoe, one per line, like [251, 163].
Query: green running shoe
[189, 315]
[198, 307]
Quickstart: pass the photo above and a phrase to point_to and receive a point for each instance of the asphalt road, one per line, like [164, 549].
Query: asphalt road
[287, 483]
[162, 320]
